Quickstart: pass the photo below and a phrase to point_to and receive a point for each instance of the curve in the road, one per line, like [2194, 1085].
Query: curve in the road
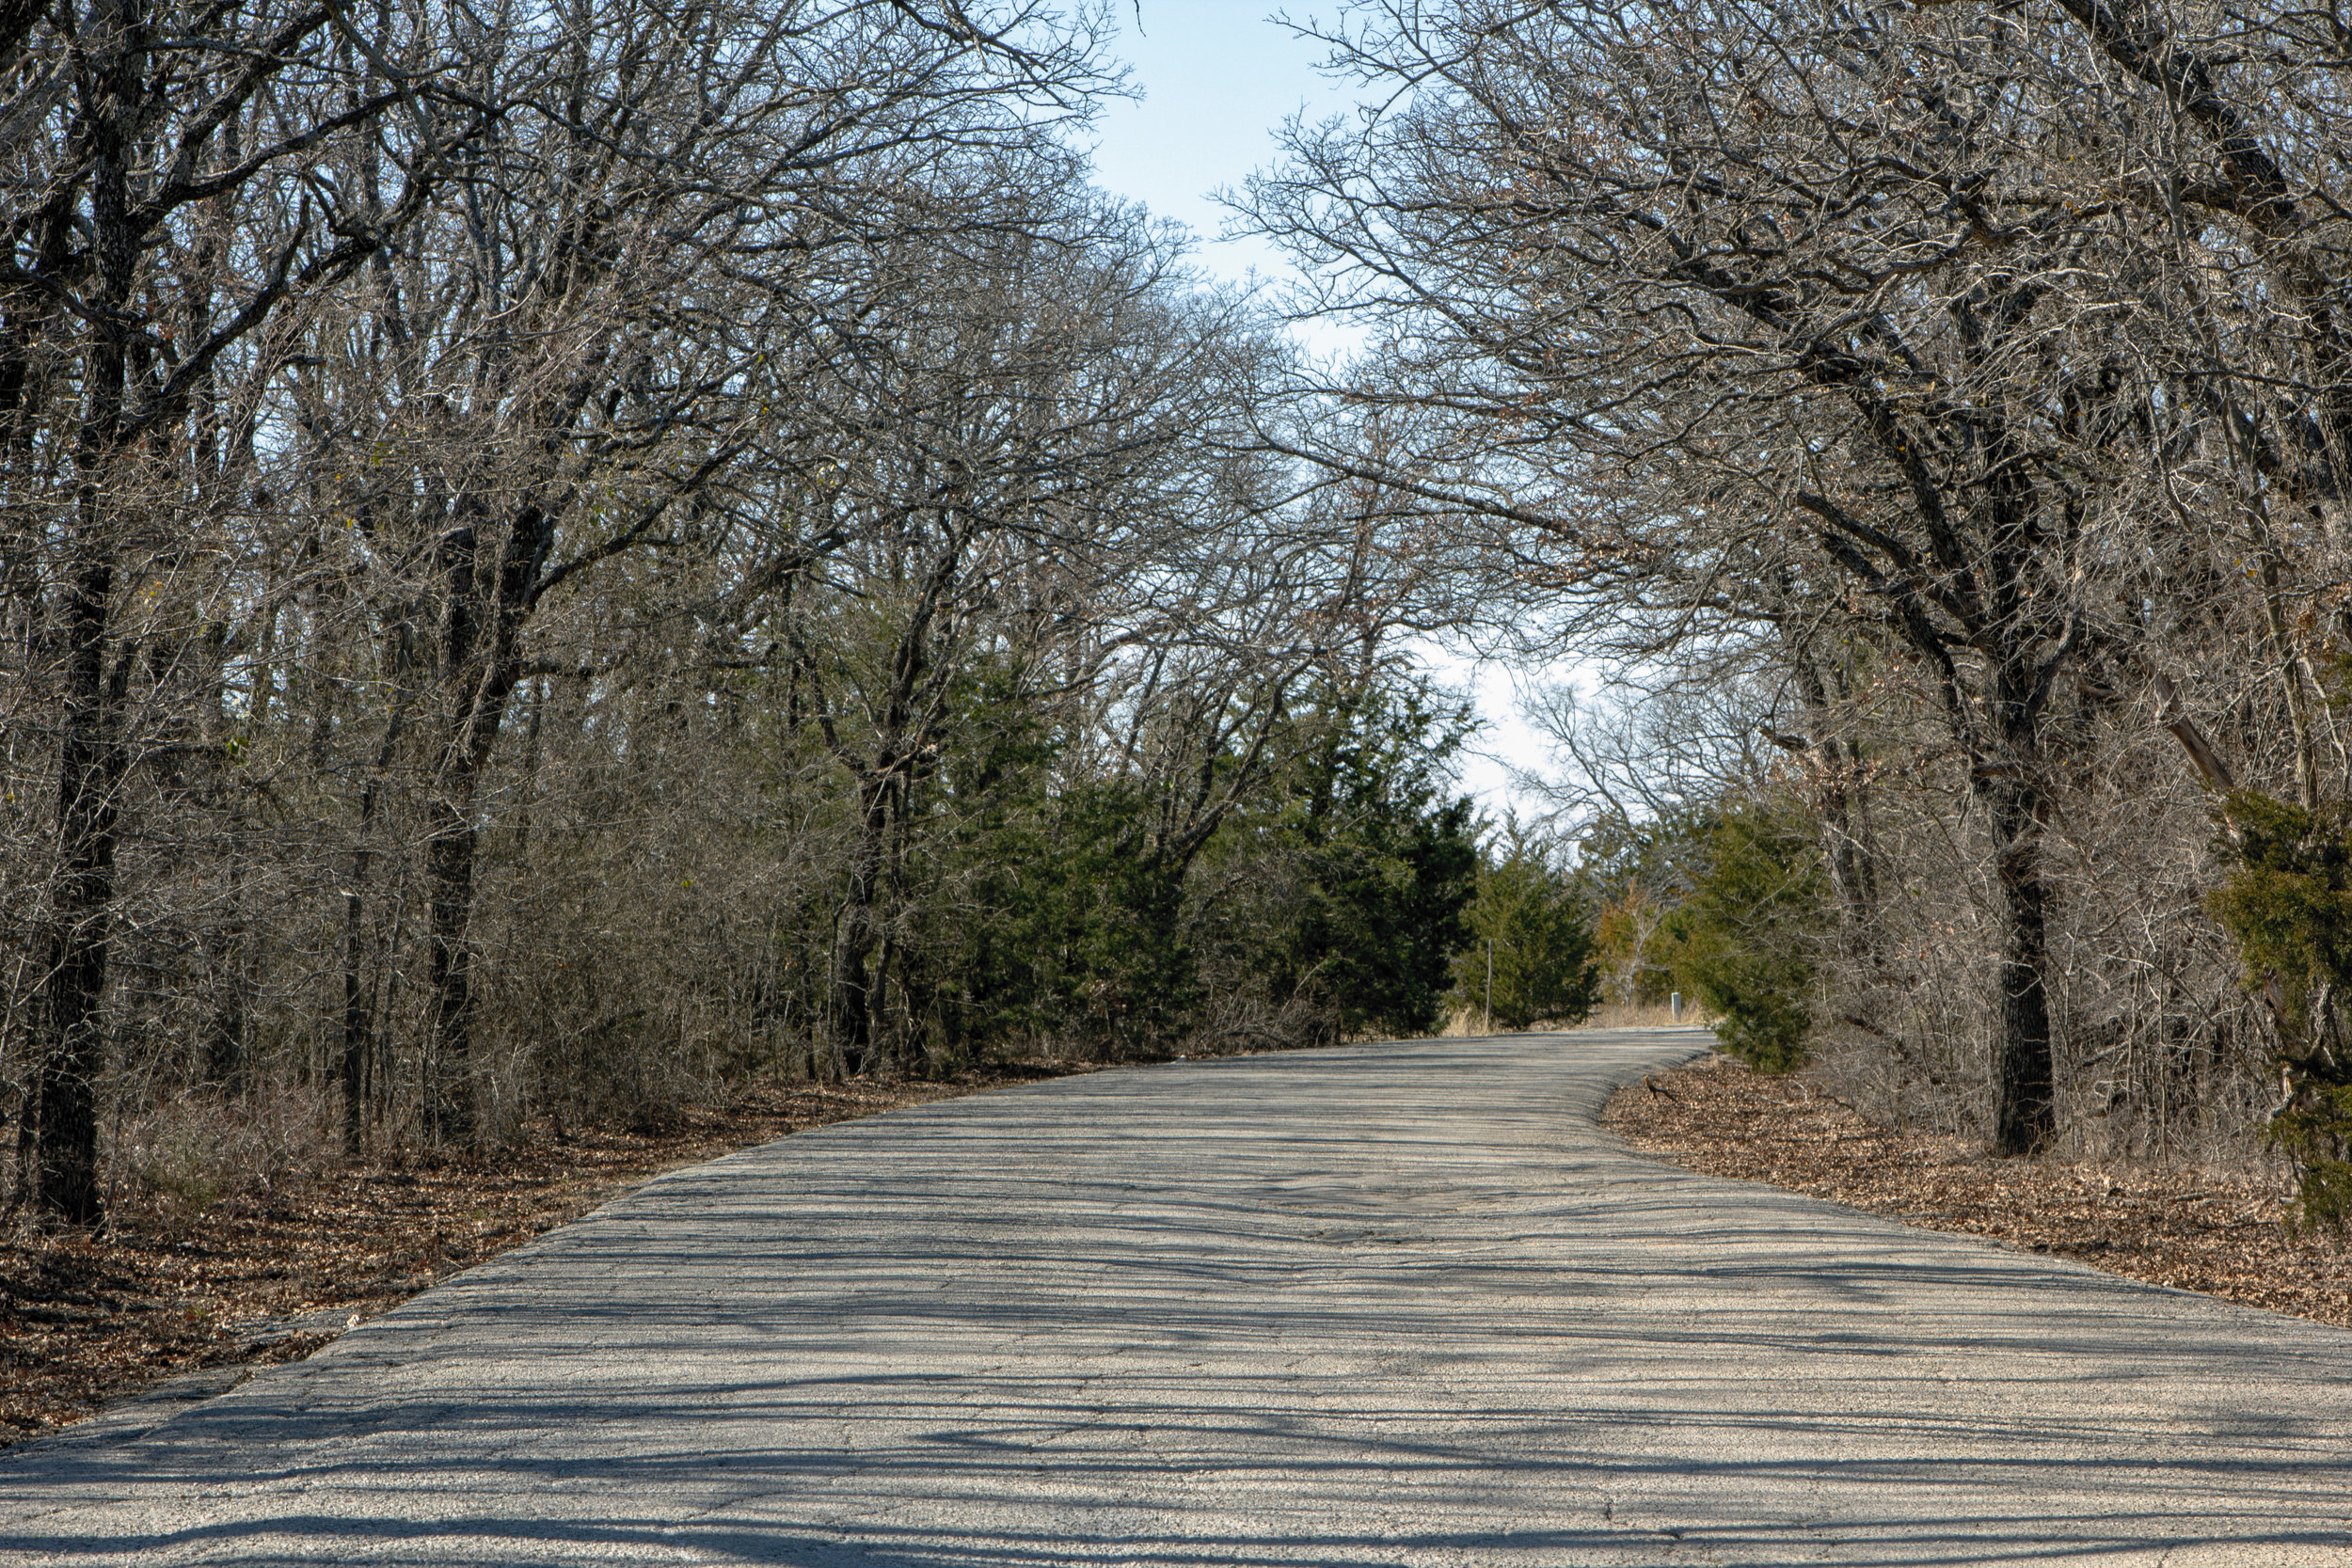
[1393, 1304]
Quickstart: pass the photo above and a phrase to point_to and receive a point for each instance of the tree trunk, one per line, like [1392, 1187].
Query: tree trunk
[230, 957]
[359, 1025]
[358, 1022]
[450, 1102]
[89, 753]
[483, 671]
[2024, 1112]
[1852, 871]
[852, 1007]
[89, 774]
[358, 1013]
[229, 961]
[2024, 1076]
[858, 1028]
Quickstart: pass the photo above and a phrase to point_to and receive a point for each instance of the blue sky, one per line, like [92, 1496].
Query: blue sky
[1218, 79]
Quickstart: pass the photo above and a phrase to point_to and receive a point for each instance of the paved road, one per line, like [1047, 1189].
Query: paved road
[1400, 1303]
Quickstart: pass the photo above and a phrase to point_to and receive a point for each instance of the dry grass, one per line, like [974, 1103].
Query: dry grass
[184, 1280]
[1646, 1014]
[1609, 1015]
[2217, 1233]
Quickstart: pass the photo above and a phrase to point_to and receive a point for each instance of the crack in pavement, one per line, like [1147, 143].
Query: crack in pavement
[1389, 1303]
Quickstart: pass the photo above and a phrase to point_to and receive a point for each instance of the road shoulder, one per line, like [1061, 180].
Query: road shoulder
[2217, 1233]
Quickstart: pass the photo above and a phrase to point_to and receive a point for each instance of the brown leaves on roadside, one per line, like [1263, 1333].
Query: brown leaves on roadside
[2193, 1229]
[272, 1276]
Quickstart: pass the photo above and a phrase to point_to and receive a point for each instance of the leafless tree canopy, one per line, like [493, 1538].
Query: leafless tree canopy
[555, 554]
[1967, 379]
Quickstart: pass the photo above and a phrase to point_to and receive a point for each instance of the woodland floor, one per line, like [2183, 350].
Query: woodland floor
[2194, 1229]
[270, 1276]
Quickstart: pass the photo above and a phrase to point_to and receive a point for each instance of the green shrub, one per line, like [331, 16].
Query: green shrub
[1746, 937]
[1530, 920]
[1384, 862]
[2287, 906]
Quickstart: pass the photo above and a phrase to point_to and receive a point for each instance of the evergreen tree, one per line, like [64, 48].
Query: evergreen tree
[1748, 934]
[2287, 904]
[1529, 922]
[1386, 862]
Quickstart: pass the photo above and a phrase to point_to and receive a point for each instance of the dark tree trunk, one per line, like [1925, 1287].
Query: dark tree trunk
[2032, 644]
[482, 664]
[89, 752]
[359, 1012]
[2024, 1089]
[89, 773]
[2024, 1075]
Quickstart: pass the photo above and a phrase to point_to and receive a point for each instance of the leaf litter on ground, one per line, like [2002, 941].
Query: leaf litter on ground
[2217, 1233]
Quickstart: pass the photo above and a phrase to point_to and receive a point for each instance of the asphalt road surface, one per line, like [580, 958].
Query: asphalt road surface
[1393, 1304]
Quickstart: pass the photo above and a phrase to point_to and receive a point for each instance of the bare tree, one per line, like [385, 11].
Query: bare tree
[1017, 441]
[604, 333]
[556, 555]
[172, 199]
[1811, 322]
